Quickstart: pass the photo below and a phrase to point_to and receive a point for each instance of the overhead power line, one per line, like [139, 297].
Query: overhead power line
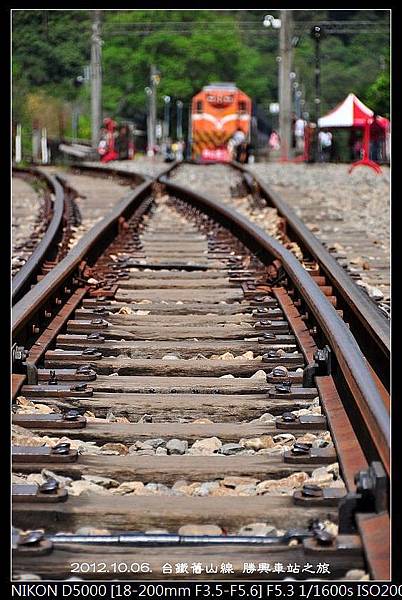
[220, 22]
[254, 31]
[330, 27]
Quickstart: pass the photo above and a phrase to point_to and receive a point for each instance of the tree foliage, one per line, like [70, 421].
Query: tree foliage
[378, 94]
[191, 49]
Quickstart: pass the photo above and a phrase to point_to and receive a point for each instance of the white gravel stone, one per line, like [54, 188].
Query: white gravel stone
[356, 575]
[85, 488]
[265, 418]
[128, 487]
[258, 443]
[176, 446]
[229, 449]
[207, 445]
[260, 376]
[207, 488]
[105, 482]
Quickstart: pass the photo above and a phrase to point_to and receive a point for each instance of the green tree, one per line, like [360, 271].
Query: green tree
[191, 49]
[377, 96]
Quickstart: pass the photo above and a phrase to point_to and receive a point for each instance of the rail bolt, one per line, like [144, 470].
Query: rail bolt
[31, 538]
[71, 415]
[84, 370]
[80, 387]
[279, 371]
[299, 448]
[62, 448]
[49, 487]
[310, 490]
[283, 388]
[93, 336]
[289, 417]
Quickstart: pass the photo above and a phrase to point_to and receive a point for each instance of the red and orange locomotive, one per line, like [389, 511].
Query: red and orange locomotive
[217, 113]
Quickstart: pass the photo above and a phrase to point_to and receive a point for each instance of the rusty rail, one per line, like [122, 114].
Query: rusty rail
[111, 171]
[350, 359]
[368, 324]
[351, 366]
[122, 172]
[26, 275]
[30, 307]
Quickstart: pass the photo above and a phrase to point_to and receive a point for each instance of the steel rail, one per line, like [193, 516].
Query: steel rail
[368, 324]
[349, 356]
[30, 269]
[112, 171]
[123, 172]
[350, 359]
[46, 288]
[94, 241]
[171, 539]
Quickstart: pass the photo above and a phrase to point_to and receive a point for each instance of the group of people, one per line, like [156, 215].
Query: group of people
[116, 142]
[301, 131]
[298, 136]
[172, 151]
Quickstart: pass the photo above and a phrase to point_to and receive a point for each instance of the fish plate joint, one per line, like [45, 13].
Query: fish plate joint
[21, 364]
[371, 496]
[319, 367]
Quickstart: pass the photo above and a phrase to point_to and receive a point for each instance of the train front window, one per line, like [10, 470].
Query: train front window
[242, 107]
[199, 106]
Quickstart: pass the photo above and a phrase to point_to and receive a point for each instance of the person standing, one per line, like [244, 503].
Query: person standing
[106, 147]
[180, 150]
[274, 141]
[122, 143]
[235, 143]
[325, 139]
[299, 134]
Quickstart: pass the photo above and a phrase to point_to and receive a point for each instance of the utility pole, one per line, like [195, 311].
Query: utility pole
[155, 78]
[317, 35]
[189, 149]
[179, 117]
[96, 78]
[148, 92]
[285, 89]
[166, 118]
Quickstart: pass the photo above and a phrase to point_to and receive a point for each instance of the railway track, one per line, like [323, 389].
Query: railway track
[192, 396]
[237, 186]
[62, 219]
[29, 217]
[49, 240]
